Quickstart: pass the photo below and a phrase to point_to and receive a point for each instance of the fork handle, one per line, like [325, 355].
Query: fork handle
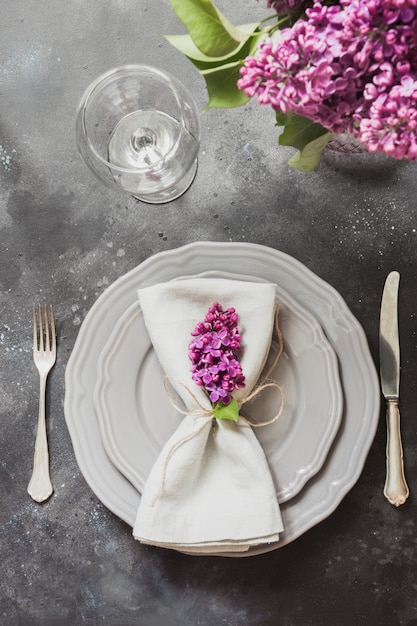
[396, 489]
[40, 486]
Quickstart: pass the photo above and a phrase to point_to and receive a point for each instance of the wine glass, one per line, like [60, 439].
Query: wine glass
[137, 127]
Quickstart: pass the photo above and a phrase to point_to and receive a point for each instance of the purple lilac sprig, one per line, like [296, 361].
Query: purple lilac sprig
[350, 66]
[213, 350]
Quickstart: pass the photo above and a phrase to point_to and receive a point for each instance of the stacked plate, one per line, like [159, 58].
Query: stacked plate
[119, 417]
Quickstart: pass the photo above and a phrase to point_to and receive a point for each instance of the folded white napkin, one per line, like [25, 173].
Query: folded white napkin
[210, 490]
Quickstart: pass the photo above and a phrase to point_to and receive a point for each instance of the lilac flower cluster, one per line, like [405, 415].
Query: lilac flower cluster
[350, 66]
[212, 354]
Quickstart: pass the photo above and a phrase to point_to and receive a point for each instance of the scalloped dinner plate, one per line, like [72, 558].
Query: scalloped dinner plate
[344, 463]
[136, 418]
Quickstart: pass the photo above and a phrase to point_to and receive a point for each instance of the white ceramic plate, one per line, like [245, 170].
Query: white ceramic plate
[344, 463]
[136, 419]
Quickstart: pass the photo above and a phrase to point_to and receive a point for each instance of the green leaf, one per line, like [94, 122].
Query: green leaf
[211, 32]
[221, 79]
[298, 131]
[283, 118]
[226, 412]
[186, 45]
[307, 136]
[222, 86]
[222, 73]
[309, 157]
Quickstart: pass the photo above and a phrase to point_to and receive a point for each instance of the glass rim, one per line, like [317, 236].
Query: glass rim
[132, 68]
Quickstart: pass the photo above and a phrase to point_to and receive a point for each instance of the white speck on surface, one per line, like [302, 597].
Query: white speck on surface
[5, 158]
[120, 252]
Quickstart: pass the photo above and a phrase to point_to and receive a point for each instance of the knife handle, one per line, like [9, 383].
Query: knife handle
[396, 489]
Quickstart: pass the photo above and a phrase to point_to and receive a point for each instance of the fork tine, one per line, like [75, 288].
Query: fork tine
[44, 334]
[40, 329]
[35, 332]
[53, 333]
[45, 312]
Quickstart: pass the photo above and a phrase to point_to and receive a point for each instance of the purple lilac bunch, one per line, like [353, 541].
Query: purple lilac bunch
[350, 66]
[212, 353]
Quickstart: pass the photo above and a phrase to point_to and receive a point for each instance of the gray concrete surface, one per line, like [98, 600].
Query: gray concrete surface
[64, 238]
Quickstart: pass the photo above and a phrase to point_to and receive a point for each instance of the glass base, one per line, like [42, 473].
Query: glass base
[174, 192]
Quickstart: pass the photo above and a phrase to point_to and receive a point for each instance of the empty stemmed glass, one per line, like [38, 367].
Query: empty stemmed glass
[137, 128]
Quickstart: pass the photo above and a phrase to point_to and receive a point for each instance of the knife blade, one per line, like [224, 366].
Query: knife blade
[395, 489]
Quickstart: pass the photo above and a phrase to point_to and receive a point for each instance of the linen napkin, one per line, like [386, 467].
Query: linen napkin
[210, 489]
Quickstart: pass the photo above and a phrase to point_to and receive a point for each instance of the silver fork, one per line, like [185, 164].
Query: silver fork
[44, 355]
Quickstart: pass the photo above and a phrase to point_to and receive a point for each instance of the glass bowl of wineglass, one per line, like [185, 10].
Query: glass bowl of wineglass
[138, 128]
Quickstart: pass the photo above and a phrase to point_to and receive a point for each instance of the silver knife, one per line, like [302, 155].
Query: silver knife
[396, 489]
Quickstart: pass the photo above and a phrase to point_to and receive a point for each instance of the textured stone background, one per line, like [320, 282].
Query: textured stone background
[65, 238]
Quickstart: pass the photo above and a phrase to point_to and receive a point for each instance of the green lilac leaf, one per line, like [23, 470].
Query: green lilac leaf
[309, 157]
[226, 412]
[220, 76]
[308, 137]
[222, 86]
[211, 31]
[283, 118]
[186, 45]
[221, 73]
[298, 131]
